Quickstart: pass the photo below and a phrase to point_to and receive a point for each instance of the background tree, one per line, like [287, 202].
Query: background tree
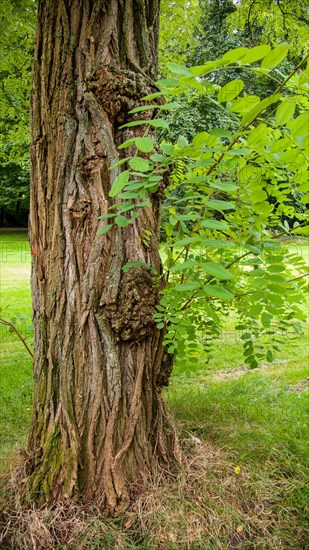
[222, 25]
[274, 21]
[99, 423]
[17, 24]
[179, 21]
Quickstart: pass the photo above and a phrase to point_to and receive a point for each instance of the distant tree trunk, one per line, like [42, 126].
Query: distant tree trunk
[99, 424]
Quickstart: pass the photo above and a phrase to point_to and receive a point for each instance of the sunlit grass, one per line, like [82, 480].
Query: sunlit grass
[16, 363]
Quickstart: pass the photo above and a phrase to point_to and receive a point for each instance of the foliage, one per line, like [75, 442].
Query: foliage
[17, 25]
[222, 250]
[223, 26]
[274, 21]
[213, 34]
[213, 37]
[178, 22]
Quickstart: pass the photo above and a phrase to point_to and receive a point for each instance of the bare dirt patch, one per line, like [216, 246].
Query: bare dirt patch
[301, 386]
[229, 374]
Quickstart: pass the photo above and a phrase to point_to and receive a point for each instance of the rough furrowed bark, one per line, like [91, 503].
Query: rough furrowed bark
[99, 422]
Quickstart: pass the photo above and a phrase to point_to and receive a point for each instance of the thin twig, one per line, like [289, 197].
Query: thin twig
[9, 324]
[254, 291]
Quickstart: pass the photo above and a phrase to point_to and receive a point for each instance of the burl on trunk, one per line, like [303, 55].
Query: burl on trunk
[99, 423]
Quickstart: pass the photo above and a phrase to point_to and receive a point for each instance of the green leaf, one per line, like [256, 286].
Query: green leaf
[106, 216]
[285, 111]
[277, 268]
[171, 106]
[217, 270]
[126, 144]
[269, 356]
[224, 186]
[182, 141]
[244, 103]
[125, 206]
[220, 244]
[115, 206]
[179, 69]
[158, 123]
[187, 240]
[191, 285]
[220, 133]
[122, 221]
[241, 151]
[256, 53]
[266, 319]
[275, 56]
[134, 215]
[258, 134]
[187, 217]
[220, 205]
[216, 291]
[299, 125]
[165, 82]
[258, 196]
[119, 183]
[144, 108]
[252, 362]
[214, 224]
[256, 272]
[200, 139]
[234, 55]
[144, 203]
[144, 144]
[209, 310]
[134, 123]
[230, 90]
[136, 185]
[253, 113]
[207, 68]
[152, 96]
[130, 195]
[119, 163]
[140, 164]
[167, 148]
[183, 266]
[157, 158]
[105, 229]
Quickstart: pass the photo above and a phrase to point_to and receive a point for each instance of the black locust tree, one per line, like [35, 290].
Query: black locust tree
[99, 424]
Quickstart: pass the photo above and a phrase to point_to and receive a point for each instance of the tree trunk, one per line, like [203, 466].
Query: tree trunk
[99, 423]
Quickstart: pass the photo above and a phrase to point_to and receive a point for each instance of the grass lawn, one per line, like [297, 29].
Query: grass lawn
[16, 363]
[246, 483]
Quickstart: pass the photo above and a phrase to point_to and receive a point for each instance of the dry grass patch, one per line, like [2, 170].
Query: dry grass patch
[210, 504]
